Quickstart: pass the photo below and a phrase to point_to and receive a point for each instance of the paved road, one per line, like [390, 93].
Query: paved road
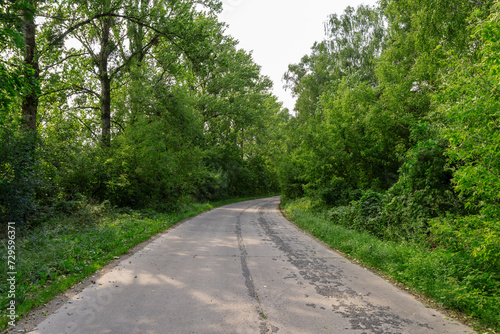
[242, 268]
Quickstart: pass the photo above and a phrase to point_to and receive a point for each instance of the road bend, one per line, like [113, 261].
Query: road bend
[242, 268]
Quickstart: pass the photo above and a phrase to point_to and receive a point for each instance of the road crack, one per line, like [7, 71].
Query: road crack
[329, 281]
[265, 326]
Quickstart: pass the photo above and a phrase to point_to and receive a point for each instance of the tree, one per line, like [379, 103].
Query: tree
[468, 107]
[139, 102]
[353, 42]
[102, 29]
[18, 83]
[32, 74]
[338, 146]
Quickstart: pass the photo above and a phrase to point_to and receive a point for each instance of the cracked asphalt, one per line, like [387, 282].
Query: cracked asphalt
[242, 268]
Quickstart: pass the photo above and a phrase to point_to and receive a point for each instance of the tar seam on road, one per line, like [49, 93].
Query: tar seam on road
[264, 327]
[328, 284]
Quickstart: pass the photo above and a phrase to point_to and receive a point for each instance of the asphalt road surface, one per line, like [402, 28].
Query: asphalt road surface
[242, 268]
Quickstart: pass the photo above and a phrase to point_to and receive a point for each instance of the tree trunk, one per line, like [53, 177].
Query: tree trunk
[105, 84]
[106, 110]
[136, 36]
[30, 100]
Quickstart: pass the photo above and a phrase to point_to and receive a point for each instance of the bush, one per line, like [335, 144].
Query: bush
[211, 185]
[338, 192]
[423, 191]
[341, 215]
[19, 177]
[292, 186]
[361, 215]
[476, 237]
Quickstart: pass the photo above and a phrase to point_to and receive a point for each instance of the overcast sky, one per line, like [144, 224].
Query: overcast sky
[280, 32]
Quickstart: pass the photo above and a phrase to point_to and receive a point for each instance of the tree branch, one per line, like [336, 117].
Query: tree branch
[121, 127]
[62, 36]
[96, 138]
[129, 59]
[83, 89]
[95, 108]
[63, 60]
[75, 88]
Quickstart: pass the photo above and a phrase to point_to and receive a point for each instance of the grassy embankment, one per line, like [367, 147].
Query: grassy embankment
[441, 278]
[64, 249]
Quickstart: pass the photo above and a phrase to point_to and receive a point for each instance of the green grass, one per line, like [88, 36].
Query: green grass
[448, 279]
[63, 250]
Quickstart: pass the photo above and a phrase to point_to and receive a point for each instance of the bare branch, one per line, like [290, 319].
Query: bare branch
[83, 108]
[75, 88]
[62, 36]
[51, 17]
[86, 44]
[96, 137]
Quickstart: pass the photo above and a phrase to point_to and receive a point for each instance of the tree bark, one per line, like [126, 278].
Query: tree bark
[30, 101]
[105, 84]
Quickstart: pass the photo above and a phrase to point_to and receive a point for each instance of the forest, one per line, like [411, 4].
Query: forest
[144, 107]
[138, 103]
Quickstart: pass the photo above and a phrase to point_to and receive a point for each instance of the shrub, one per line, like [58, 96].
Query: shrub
[19, 175]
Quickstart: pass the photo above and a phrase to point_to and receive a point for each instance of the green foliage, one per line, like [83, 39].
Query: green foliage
[475, 237]
[469, 105]
[290, 179]
[343, 138]
[396, 132]
[19, 177]
[370, 123]
[12, 79]
[362, 215]
[353, 41]
[155, 107]
[423, 191]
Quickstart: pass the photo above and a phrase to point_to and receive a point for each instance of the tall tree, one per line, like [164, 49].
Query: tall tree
[468, 105]
[353, 41]
[30, 98]
[102, 28]
[336, 146]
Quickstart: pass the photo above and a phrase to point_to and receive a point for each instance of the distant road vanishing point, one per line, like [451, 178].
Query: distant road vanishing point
[242, 268]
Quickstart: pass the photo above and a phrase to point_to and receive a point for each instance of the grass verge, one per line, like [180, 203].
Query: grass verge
[63, 250]
[439, 275]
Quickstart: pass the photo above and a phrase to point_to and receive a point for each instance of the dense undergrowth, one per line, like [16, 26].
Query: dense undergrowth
[66, 248]
[451, 279]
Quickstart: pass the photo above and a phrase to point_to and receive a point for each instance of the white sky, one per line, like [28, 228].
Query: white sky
[280, 32]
